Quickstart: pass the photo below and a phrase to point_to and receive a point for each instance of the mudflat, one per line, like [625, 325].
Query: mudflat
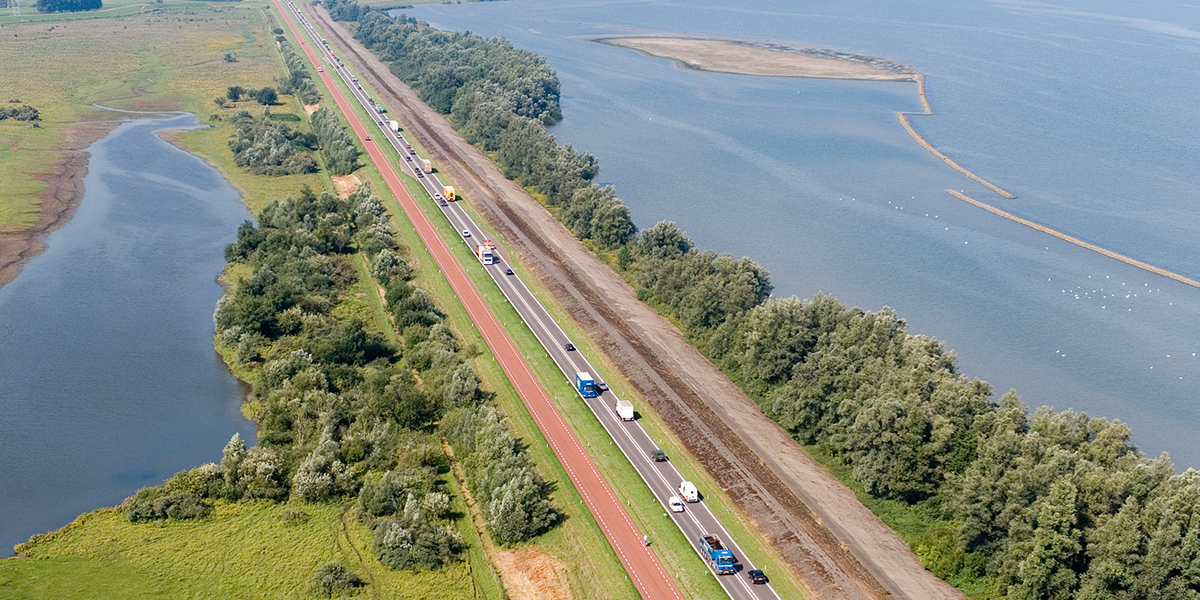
[748, 58]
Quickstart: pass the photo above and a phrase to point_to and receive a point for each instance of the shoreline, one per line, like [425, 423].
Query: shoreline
[59, 200]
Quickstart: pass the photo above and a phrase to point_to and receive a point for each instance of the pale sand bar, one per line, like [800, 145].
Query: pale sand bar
[732, 57]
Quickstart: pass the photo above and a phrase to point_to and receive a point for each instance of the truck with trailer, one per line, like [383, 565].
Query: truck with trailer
[719, 557]
[486, 252]
[585, 384]
[448, 193]
[395, 126]
[426, 165]
[625, 410]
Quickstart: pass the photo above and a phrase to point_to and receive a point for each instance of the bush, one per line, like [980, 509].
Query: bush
[332, 579]
[155, 503]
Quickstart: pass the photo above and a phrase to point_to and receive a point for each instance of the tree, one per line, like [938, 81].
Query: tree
[1047, 572]
[266, 96]
[332, 579]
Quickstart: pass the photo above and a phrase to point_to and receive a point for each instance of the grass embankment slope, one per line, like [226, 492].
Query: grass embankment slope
[168, 56]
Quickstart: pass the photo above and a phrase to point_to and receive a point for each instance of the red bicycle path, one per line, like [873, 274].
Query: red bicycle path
[643, 566]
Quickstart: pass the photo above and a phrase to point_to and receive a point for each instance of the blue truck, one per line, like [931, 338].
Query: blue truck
[715, 553]
[585, 384]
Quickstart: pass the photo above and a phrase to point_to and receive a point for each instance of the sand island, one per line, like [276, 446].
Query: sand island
[769, 59]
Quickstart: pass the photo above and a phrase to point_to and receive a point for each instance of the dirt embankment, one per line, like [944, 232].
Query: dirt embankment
[63, 193]
[833, 544]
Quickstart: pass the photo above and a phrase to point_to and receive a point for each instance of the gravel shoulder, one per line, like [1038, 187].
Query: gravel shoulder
[833, 544]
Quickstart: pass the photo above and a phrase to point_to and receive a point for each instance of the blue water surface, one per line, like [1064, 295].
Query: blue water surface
[1087, 111]
[110, 380]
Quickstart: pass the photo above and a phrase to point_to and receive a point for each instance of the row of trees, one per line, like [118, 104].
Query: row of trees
[341, 157]
[267, 96]
[299, 81]
[268, 147]
[342, 412]
[52, 6]
[1045, 505]
[501, 99]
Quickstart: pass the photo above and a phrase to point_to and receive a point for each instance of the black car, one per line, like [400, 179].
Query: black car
[757, 576]
[443, 203]
[508, 272]
[569, 346]
[657, 455]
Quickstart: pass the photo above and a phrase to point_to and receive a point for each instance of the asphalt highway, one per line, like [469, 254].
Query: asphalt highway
[663, 479]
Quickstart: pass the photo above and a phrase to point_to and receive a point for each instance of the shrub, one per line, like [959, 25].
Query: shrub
[333, 579]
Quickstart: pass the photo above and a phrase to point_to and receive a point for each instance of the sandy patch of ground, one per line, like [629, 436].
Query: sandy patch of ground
[346, 184]
[532, 574]
[63, 193]
[309, 109]
[732, 57]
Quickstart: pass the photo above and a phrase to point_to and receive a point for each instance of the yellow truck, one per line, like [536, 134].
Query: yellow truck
[448, 193]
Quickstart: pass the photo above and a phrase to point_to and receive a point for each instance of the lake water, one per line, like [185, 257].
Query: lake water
[110, 380]
[1087, 111]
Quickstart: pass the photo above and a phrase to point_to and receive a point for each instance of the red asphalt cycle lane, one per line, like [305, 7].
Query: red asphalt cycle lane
[644, 568]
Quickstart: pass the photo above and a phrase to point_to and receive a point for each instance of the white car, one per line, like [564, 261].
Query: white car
[676, 504]
[466, 233]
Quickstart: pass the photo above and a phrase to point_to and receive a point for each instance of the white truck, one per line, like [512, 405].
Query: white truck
[688, 491]
[426, 165]
[395, 126]
[625, 410]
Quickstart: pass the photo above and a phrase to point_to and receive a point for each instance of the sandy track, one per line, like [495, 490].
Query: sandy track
[835, 546]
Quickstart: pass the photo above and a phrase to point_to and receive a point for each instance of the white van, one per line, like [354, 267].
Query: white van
[675, 504]
[688, 491]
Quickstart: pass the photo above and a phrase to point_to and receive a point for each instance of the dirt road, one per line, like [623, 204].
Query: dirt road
[835, 546]
[645, 570]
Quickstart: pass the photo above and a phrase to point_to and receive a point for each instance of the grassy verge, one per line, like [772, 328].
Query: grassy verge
[170, 58]
[246, 550]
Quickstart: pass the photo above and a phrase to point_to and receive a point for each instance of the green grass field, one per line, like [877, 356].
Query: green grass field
[244, 551]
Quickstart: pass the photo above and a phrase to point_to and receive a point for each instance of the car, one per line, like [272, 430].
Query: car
[368, 138]
[508, 272]
[437, 195]
[569, 346]
[603, 387]
[466, 233]
[408, 158]
[420, 174]
[657, 455]
[444, 203]
[757, 576]
[676, 504]
[320, 69]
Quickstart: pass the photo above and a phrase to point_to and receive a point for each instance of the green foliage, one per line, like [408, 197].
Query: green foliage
[153, 503]
[332, 579]
[52, 6]
[513, 497]
[299, 81]
[269, 147]
[19, 113]
[341, 157]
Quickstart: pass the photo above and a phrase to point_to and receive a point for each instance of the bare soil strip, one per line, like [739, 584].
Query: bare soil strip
[834, 545]
[60, 199]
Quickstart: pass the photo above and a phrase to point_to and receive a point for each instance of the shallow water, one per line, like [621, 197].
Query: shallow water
[110, 379]
[1086, 111]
